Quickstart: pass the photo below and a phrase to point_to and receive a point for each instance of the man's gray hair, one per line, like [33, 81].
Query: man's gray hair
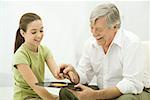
[110, 11]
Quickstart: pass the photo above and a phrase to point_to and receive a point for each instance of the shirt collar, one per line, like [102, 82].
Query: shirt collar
[118, 39]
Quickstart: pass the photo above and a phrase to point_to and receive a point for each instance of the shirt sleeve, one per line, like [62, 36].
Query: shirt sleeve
[47, 52]
[133, 69]
[84, 68]
[20, 57]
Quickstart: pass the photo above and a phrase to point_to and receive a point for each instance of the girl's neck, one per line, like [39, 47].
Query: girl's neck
[31, 47]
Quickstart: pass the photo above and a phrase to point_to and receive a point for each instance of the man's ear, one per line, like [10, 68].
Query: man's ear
[91, 26]
[22, 33]
[115, 26]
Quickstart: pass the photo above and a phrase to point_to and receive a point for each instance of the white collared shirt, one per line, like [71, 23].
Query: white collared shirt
[122, 66]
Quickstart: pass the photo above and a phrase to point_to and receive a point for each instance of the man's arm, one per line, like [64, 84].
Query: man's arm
[133, 69]
[107, 93]
[87, 93]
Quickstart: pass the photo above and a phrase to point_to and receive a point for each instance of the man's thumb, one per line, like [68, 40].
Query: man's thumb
[80, 86]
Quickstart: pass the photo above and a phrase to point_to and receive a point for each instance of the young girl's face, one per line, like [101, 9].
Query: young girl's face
[34, 33]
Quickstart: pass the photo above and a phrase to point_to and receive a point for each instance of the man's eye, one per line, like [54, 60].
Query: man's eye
[33, 32]
[98, 30]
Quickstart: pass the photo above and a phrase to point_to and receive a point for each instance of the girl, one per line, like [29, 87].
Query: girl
[29, 59]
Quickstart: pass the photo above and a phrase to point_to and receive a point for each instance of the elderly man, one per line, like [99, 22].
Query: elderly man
[114, 56]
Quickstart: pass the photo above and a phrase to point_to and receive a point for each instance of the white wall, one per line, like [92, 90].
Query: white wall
[66, 26]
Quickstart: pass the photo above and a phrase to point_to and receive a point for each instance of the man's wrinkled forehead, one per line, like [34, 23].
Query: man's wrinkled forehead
[101, 21]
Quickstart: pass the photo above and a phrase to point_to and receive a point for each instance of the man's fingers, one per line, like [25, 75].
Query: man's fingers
[81, 86]
[72, 76]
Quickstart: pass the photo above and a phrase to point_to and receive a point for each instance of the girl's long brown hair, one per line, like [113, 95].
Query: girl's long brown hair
[24, 21]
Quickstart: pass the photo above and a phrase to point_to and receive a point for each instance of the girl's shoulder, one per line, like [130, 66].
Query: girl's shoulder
[21, 50]
[43, 48]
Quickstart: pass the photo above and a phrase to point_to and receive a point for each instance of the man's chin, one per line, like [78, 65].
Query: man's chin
[101, 43]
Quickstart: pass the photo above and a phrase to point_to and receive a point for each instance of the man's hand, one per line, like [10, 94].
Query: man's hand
[68, 71]
[86, 93]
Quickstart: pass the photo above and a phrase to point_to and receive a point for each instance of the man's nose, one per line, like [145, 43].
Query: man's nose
[95, 34]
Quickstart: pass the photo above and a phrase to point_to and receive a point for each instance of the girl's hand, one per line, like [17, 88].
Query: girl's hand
[69, 72]
[58, 74]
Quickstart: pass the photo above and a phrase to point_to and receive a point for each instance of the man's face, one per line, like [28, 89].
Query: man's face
[101, 32]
